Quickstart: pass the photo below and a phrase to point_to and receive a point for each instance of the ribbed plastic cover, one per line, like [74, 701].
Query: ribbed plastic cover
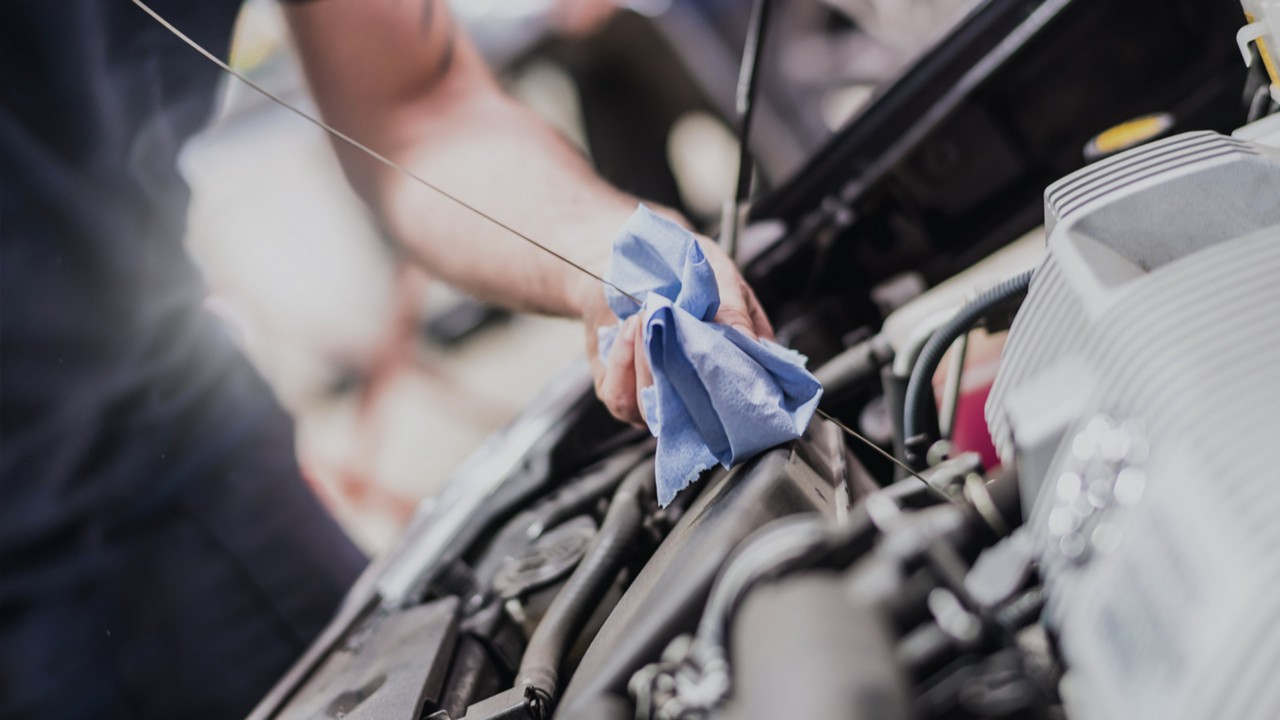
[1155, 321]
[1150, 206]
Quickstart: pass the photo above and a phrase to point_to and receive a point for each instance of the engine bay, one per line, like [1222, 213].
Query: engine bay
[1102, 556]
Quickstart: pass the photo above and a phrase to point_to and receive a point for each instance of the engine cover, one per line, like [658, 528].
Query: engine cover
[1138, 397]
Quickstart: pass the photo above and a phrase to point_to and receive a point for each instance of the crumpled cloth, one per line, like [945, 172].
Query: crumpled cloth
[718, 396]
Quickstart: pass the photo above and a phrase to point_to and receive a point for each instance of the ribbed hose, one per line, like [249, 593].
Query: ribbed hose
[920, 388]
[583, 591]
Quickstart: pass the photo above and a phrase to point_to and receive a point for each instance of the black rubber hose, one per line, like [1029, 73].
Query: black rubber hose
[583, 591]
[573, 499]
[919, 397]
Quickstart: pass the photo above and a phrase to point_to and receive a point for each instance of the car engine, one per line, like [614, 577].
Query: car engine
[1105, 558]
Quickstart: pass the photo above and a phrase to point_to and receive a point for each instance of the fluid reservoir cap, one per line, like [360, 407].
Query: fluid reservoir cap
[1128, 134]
[548, 559]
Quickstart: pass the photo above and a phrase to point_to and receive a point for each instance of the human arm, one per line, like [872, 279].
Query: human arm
[402, 78]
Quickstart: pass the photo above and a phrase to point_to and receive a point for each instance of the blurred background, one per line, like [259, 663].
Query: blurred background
[392, 376]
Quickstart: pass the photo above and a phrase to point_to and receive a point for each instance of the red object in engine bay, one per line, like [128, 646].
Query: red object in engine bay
[969, 432]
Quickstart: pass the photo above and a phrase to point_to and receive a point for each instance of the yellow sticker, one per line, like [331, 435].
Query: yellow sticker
[1129, 134]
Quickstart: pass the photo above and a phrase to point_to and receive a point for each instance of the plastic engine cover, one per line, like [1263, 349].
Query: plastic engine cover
[1138, 394]
[815, 474]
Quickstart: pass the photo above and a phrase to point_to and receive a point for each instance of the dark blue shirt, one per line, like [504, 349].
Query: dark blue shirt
[116, 387]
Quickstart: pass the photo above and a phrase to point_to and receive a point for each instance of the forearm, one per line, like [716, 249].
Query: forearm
[402, 78]
[494, 155]
[398, 76]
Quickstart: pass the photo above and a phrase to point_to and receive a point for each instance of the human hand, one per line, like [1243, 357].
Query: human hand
[620, 377]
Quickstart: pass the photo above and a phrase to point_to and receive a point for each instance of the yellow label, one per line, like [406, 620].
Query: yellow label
[1131, 133]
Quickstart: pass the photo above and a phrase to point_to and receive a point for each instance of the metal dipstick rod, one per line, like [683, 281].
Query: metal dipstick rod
[368, 150]
[746, 92]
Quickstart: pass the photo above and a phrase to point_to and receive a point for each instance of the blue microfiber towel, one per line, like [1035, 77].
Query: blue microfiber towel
[718, 395]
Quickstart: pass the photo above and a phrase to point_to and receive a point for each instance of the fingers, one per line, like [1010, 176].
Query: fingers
[734, 313]
[739, 307]
[758, 319]
[615, 376]
[644, 375]
[618, 388]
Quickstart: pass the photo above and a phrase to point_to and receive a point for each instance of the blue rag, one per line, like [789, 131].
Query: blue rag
[718, 395]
